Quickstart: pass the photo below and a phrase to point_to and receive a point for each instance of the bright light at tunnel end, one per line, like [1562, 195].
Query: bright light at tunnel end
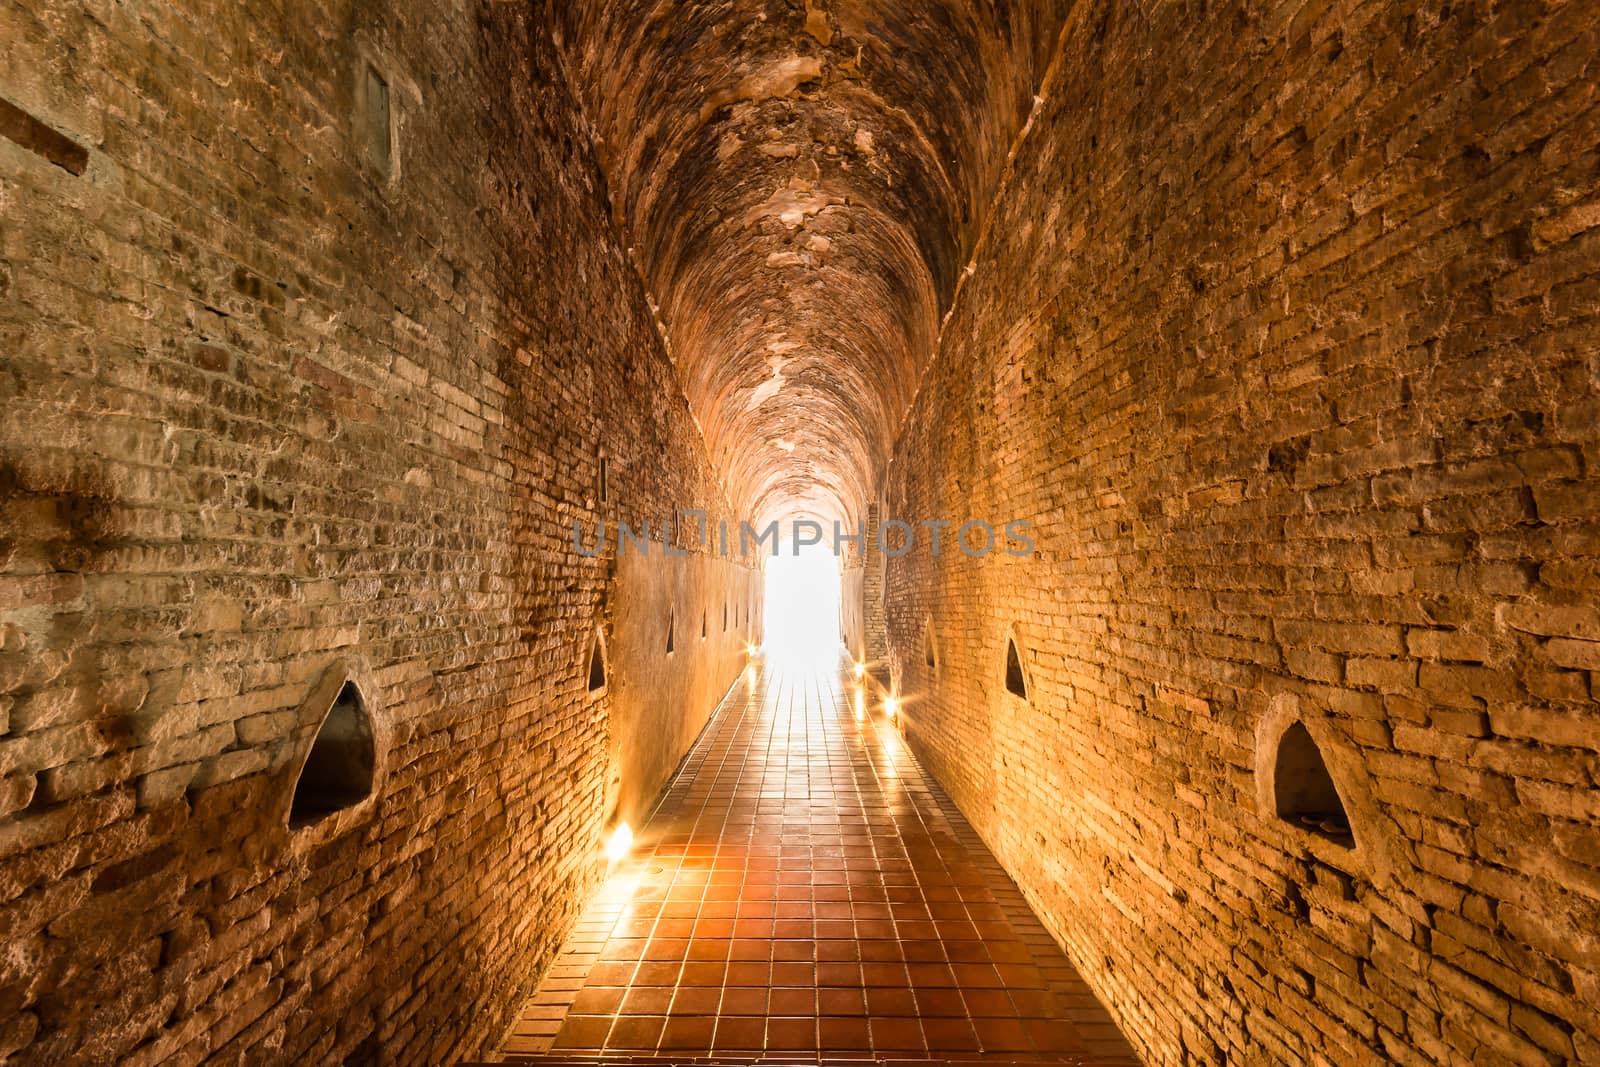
[801, 618]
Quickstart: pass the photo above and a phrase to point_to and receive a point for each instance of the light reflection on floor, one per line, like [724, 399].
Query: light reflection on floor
[805, 887]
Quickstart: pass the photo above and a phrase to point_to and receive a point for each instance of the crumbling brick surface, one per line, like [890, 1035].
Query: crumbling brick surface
[801, 183]
[1284, 336]
[274, 402]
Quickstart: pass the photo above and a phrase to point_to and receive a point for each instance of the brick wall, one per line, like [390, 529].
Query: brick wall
[287, 391]
[1284, 336]
[852, 599]
[872, 633]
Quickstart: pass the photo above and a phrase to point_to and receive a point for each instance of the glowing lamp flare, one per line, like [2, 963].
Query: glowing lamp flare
[861, 668]
[891, 705]
[620, 841]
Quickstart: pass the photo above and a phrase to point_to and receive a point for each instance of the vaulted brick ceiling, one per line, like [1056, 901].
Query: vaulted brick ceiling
[803, 183]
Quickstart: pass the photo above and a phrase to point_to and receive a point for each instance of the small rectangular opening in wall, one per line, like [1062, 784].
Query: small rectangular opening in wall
[43, 141]
[375, 121]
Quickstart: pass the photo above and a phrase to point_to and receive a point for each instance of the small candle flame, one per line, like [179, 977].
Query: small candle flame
[620, 841]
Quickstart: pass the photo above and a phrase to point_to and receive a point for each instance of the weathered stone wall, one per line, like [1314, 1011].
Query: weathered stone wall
[278, 405]
[1284, 336]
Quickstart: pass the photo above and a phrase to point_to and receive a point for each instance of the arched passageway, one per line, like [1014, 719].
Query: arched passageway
[1209, 395]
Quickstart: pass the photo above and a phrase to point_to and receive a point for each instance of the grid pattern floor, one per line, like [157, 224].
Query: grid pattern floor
[804, 888]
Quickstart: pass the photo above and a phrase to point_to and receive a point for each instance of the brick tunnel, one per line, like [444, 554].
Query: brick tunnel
[800, 531]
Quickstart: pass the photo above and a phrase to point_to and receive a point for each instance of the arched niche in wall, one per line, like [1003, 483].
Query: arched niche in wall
[597, 668]
[340, 757]
[1312, 786]
[930, 650]
[1015, 676]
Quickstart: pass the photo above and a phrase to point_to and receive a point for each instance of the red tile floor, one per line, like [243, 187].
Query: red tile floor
[804, 888]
